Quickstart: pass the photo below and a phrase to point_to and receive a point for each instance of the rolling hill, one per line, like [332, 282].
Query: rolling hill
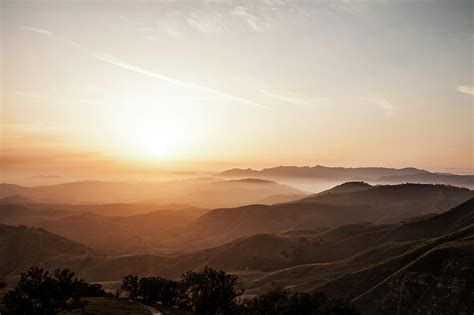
[402, 277]
[378, 204]
[22, 247]
[150, 232]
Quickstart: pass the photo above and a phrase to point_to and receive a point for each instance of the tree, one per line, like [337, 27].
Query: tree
[38, 292]
[154, 289]
[210, 291]
[130, 283]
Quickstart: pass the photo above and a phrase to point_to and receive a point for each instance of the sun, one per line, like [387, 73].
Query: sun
[152, 127]
[156, 140]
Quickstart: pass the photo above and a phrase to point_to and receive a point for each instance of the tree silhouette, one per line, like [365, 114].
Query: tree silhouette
[154, 289]
[2, 284]
[210, 291]
[38, 292]
[130, 283]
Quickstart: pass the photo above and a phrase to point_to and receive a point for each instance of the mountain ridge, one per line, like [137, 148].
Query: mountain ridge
[380, 175]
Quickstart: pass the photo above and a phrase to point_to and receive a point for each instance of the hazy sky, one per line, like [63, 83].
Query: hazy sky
[115, 87]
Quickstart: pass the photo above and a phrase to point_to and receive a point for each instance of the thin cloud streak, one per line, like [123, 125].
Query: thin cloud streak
[282, 98]
[36, 30]
[465, 89]
[127, 66]
[124, 65]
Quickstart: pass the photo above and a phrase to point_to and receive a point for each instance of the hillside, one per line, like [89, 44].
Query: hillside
[441, 279]
[22, 247]
[379, 204]
[223, 225]
[346, 188]
[150, 232]
[396, 202]
[457, 218]
[436, 268]
[14, 200]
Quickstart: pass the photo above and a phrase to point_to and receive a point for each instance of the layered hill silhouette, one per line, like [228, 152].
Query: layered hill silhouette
[187, 229]
[427, 260]
[341, 205]
[380, 175]
[205, 192]
[138, 233]
[358, 244]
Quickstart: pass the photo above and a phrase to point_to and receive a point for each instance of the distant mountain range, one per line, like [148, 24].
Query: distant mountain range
[379, 175]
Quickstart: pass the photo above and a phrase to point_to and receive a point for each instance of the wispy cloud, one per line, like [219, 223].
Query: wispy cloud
[124, 65]
[465, 89]
[253, 21]
[130, 67]
[205, 22]
[384, 105]
[283, 98]
[36, 30]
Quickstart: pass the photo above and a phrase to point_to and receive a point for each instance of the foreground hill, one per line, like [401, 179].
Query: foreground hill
[379, 175]
[198, 192]
[439, 280]
[428, 273]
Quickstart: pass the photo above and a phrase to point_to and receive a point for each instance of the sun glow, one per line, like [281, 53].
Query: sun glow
[152, 126]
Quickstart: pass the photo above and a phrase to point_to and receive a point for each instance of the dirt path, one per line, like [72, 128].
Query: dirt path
[153, 310]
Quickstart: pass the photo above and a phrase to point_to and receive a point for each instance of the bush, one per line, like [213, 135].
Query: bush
[38, 292]
[215, 292]
[278, 301]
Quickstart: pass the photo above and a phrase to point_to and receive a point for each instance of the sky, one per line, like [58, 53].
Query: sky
[117, 88]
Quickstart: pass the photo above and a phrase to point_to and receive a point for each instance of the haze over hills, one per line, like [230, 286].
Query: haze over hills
[147, 232]
[187, 229]
[198, 192]
[375, 175]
